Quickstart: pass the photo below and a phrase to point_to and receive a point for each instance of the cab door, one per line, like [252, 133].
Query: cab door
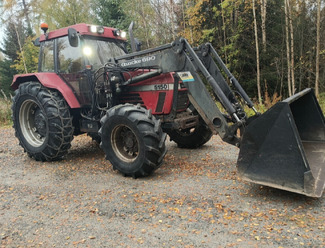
[71, 67]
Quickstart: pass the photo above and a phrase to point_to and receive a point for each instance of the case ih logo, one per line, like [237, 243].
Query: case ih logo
[139, 61]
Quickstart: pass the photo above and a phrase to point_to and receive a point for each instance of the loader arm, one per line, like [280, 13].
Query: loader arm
[275, 148]
[189, 65]
[212, 61]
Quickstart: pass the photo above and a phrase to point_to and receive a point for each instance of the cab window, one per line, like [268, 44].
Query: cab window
[98, 52]
[69, 58]
[47, 56]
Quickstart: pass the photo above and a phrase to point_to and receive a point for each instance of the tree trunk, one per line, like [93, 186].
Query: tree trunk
[282, 75]
[235, 23]
[310, 70]
[263, 17]
[301, 76]
[224, 33]
[172, 13]
[317, 48]
[29, 26]
[257, 56]
[183, 13]
[20, 48]
[144, 23]
[288, 46]
[292, 50]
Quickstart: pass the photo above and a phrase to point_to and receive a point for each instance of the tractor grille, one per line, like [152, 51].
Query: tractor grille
[161, 101]
[182, 100]
[133, 98]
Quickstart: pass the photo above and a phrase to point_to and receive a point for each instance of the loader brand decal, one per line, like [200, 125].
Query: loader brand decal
[132, 62]
[139, 61]
[155, 87]
[185, 76]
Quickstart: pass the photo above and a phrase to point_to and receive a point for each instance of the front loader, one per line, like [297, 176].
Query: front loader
[88, 83]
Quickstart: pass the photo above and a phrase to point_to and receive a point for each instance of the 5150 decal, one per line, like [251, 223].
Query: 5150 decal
[161, 86]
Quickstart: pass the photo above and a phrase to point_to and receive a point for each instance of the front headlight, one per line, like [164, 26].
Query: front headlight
[117, 32]
[87, 51]
[100, 29]
[123, 34]
[96, 29]
[93, 29]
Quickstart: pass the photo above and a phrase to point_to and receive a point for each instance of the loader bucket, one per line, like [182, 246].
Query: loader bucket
[285, 147]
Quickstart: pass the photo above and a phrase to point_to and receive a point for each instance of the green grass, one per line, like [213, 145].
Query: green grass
[261, 108]
[5, 112]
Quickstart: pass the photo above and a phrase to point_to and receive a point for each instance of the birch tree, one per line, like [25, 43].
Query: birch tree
[263, 26]
[292, 66]
[257, 56]
[26, 14]
[287, 46]
[224, 32]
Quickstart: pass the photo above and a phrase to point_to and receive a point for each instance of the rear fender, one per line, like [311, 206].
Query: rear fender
[48, 80]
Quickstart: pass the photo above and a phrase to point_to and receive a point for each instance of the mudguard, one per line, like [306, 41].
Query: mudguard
[49, 80]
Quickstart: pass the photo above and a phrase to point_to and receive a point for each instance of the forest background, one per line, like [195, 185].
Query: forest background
[274, 47]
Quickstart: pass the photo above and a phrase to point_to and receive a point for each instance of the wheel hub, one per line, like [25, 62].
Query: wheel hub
[129, 141]
[40, 122]
[124, 143]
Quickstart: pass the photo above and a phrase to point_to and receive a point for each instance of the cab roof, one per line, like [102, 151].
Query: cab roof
[83, 29]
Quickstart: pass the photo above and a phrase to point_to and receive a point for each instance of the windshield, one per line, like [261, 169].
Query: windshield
[99, 51]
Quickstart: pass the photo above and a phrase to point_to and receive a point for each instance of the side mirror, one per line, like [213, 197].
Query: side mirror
[138, 44]
[36, 42]
[73, 37]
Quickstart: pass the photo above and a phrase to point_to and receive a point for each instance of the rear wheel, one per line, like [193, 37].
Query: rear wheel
[132, 140]
[42, 122]
[192, 137]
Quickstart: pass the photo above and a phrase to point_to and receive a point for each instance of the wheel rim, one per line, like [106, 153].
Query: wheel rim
[124, 143]
[32, 123]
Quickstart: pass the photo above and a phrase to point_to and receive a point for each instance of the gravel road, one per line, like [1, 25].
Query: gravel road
[193, 200]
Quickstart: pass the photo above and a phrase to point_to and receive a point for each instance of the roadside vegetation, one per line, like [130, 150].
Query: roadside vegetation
[5, 111]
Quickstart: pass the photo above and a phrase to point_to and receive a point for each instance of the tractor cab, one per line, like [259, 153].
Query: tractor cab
[76, 52]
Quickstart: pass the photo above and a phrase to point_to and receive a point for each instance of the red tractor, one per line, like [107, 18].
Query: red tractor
[128, 102]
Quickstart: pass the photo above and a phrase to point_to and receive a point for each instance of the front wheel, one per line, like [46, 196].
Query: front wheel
[132, 140]
[42, 122]
[192, 137]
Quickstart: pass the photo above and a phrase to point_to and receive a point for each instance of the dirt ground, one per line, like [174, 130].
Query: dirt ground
[194, 200]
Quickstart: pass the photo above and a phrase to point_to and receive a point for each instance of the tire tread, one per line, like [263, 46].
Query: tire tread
[60, 128]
